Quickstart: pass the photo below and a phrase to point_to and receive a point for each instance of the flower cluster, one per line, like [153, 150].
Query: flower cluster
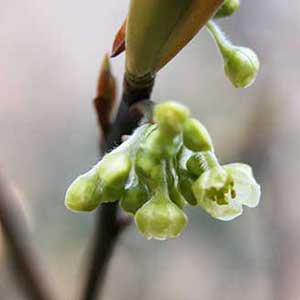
[159, 169]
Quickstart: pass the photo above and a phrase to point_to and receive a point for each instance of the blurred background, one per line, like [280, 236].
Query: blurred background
[50, 57]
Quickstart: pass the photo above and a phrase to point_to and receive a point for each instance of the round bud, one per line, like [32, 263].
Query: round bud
[161, 144]
[195, 136]
[170, 116]
[113, 171]
[160, 218]
[135, 196]
[228, 8]
[241, 66]
[84, 194]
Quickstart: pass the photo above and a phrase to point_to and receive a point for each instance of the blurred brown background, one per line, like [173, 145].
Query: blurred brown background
[50, 57]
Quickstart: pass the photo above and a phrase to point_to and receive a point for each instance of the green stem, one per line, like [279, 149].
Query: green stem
[223, 43]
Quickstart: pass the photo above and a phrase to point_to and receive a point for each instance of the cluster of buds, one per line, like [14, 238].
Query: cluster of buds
[160, 168]
[155, 31]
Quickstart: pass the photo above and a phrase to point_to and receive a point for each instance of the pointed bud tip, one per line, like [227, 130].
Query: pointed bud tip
[119, 41]
[105, 66]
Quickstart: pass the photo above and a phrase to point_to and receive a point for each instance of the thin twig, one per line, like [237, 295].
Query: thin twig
[25, 260]
[108, 225]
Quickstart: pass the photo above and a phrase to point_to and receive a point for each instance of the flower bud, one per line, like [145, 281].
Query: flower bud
[228, 8]
[161, 144]
[148, 167]
[160, 218]
[241, 64]
[222, 191]
[84, 194]
[113, 171]
[135, 196]
[170, 116]
[196, 136]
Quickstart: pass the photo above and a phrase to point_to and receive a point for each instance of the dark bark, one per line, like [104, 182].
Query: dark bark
[109, 225]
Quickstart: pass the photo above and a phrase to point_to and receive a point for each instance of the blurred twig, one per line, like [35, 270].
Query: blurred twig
[25, 260]
[109, 224]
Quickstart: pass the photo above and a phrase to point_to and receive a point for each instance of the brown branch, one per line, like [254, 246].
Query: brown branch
[109, 225]
[18, 240]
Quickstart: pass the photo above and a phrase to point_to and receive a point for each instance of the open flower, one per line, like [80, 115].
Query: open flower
[222, 191]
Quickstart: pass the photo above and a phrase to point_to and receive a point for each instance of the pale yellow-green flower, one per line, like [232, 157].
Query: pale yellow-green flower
[222, 191]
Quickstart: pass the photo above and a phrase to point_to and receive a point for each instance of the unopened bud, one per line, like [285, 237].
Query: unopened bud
[84, 194]
[135, 196]
[228, 8]
[241, 64]
[196, 136]
[113, 171]
[160, 218]
[170, 116]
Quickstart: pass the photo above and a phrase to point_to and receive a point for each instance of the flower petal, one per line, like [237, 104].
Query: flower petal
[247, 189]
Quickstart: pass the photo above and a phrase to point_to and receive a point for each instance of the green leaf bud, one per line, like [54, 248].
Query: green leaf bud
[135, 196]
[241, 64]
[222, 191]
[196, 136]
[84, 194]
[160, 218]
[200, 162]
[170, 117]
[228, 8]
